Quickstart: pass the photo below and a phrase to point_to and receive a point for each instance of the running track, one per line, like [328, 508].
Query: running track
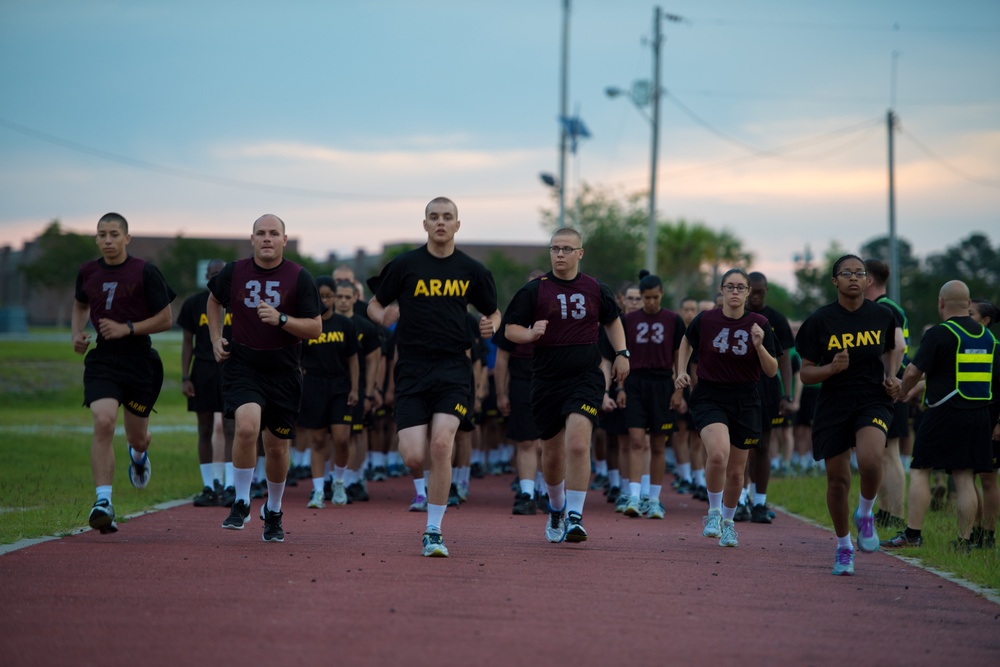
[348, 587]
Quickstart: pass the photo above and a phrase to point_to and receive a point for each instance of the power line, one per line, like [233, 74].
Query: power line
[223, 180]
[778, 153]
[812, 25]
[947, 165]
[827, 99]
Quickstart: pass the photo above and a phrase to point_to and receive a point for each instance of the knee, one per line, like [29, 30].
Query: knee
[104, 424]
[244, 433]
[715, 459]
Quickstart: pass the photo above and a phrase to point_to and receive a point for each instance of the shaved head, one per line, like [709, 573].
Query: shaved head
[953, 299]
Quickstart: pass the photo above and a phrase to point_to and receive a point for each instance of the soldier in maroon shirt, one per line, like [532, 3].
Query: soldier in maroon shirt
[126, 299]
[560, 314]
[653, 336]
[275, 304]
[733, 347]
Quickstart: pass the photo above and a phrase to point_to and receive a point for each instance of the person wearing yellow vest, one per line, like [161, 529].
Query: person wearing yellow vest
[959, 359]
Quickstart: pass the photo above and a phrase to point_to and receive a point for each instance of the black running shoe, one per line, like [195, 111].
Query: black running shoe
[356, 492]
[759, 514]
[238, 516]
[453, 499]
[328, 489]
[207, 498]
[273, 532]
[742, 513]
[228, 496]
[102, 517]
[524, 505]
[574, 528]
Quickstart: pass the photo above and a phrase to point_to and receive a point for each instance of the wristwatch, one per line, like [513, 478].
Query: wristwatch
[283, 320]
[623, 353]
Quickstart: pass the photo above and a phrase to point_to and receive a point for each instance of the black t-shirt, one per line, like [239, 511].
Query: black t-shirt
[779, 325]
[866, 333]
[134, 290]
[328, 355]
[433, 295]
[368, 342]
[582, 309]
[194, 319]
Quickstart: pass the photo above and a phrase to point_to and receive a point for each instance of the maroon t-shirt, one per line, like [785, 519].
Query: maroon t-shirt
[654, 339]
[572, 310]
[726, 354]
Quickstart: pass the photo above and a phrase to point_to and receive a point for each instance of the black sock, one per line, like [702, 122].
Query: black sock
[912, 534]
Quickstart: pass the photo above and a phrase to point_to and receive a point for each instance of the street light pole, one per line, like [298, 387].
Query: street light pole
[563, 94]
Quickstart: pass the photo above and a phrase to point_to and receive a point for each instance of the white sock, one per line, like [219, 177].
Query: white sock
[601, 468]
[644, 486]
[865, 506]
[760, 499]
[635, 489]
[206, 475]
[258, 472]
[714, 501]
[104, 493]
[698, 476]
[435, 514]
[230, 480]
[274, 492]
[654, 490]
[728, 513]
[241, 480]
[684, 471]
[420, 486]
[614, 478]
[845, 542]
[528, 486]
[574, 501]
[557, 496]
[339, 473]
[136, 456]
[318, 484]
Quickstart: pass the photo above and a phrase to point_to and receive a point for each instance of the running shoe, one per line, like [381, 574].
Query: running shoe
[684, 487]
[273, 532]
[700, 493]
[238, 516]
[901, 541]
[257, 489]
[760, 514]
[729, 538]
[207, 498]
[524, 505]
[555, 527]
[228, 496]
[622, 502]
[338, 494]
[316, 500]
[962, 546]
[453, 499]
[843, 564]
[656, 509]
[419, 504]
[328, 489]
[633, 508]
[613, 493]
[102, 517]
[357, 492]
[867, 536]
[599, 482]
[575, 531]
[712, 523]
[434, 545]
[138, 473]
[742, 512]
[463, 491]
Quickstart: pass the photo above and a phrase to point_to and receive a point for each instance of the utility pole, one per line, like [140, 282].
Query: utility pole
[654, 146]
[563, 95]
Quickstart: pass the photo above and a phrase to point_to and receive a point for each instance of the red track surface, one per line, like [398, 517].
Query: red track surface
[348, 587]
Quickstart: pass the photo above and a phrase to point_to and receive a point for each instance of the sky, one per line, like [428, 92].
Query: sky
[345, 118]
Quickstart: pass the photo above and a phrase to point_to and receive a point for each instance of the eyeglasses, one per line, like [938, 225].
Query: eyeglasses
[562, 249]
[633, 298]
[848, 274]
[739, 289]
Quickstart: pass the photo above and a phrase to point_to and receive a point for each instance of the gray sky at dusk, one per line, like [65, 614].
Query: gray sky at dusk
[346, 117]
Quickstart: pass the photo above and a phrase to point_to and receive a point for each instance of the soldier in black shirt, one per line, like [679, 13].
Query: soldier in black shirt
[849, 346]
[201, 383]
[561, 314]
[275, 305]
[126, 299]
[433, 286]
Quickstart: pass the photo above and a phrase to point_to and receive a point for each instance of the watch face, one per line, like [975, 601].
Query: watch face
[283, 320]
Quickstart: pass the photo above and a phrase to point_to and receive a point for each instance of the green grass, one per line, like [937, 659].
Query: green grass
[806, 496]
[46, 487]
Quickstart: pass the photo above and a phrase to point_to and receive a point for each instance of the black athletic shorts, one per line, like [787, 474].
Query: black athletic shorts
[321, 407]
[134, 380]
[552, 401]
[953, 438]
[770, 403]
[900, 425]
[647, 404]
[427, 387]
[807, 406]
[519, 424]
[840, 414]
[736, 406]
[207, 380]
[278, 394]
